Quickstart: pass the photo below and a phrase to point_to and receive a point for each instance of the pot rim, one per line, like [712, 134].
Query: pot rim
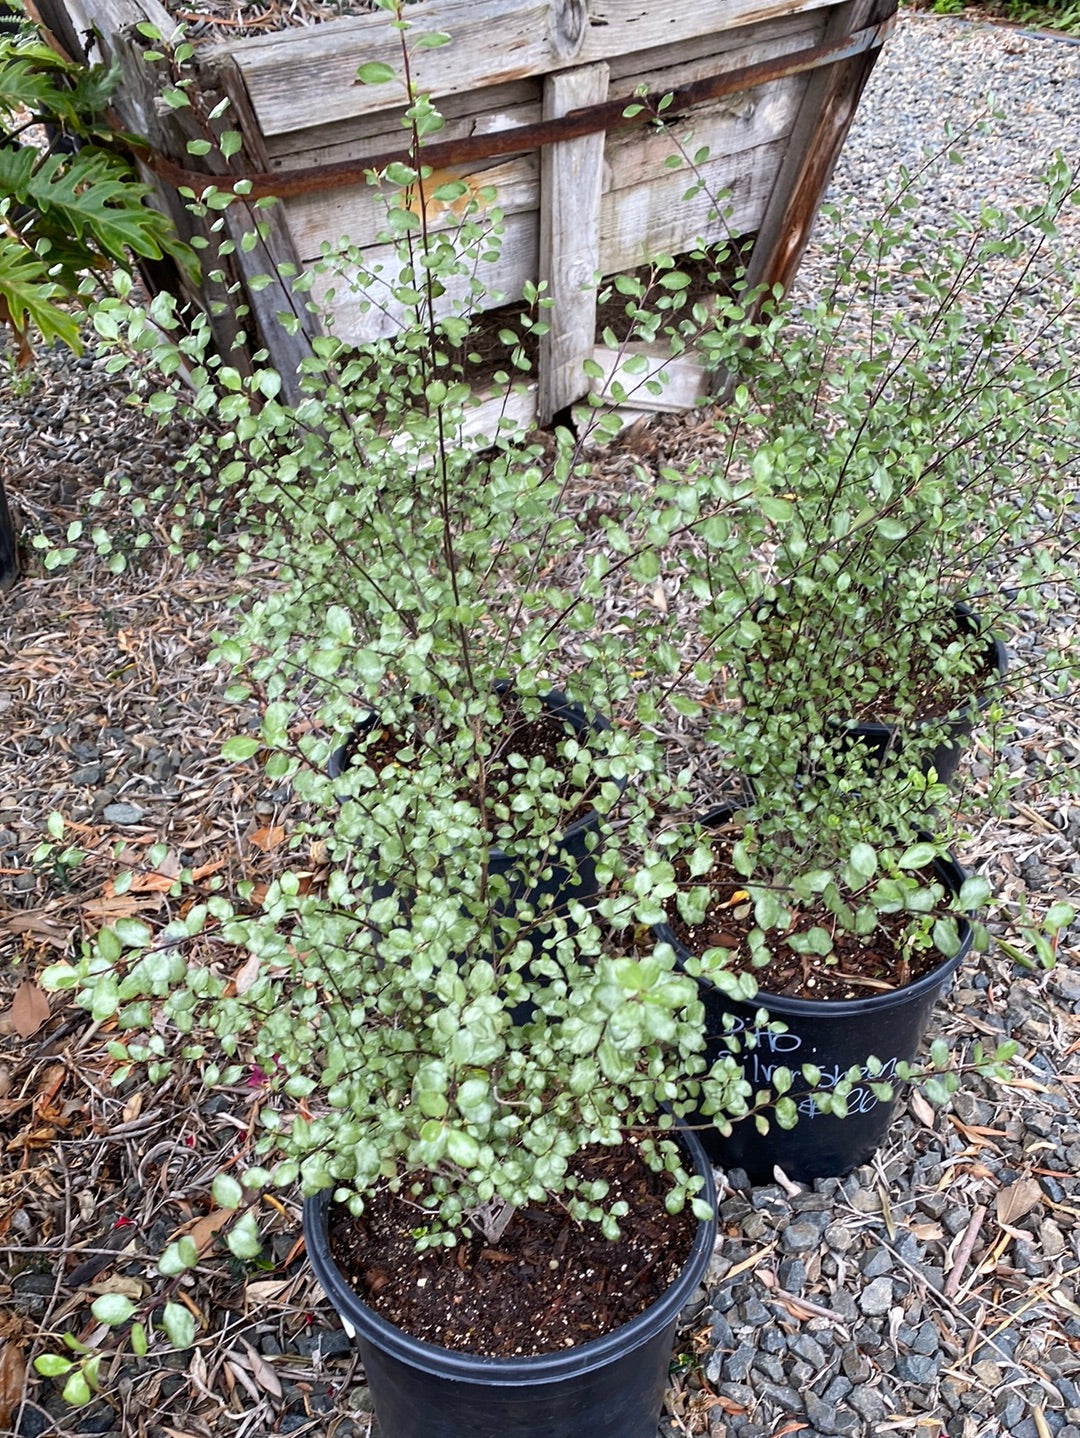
[534, 1369]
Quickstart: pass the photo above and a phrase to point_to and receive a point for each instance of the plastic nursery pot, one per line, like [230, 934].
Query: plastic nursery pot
[836, 1036]
[880, 740]
[569, 873]
[612, 1387]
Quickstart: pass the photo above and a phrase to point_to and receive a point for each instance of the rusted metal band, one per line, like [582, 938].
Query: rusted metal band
[608, 115]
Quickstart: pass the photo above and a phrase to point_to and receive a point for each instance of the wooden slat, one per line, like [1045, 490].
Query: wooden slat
[500, 107]
[820, 129]
[717, 52]
[358, 212]
[518, 262]
[571, 177]
[683, 384]
[730, 128]
[305, 77]
[637, 224]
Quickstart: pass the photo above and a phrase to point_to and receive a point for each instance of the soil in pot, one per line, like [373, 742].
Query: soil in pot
[874, 1001]
[549, 1284]
[550, 879]
[856, 966]
[541, 736]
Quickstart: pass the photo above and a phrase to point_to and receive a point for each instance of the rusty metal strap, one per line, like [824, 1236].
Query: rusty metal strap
[608, 115]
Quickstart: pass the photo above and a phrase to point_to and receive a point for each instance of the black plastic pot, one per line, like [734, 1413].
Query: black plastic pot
[881, 740]
[570, 870]
[612, 1387]
[836, 1036]
[878, 741]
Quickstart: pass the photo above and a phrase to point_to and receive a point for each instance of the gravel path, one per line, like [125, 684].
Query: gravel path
[932, 1292]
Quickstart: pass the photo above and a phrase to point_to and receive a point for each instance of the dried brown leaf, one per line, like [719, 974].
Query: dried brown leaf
[1017, 1200]
[264, 1290]
[923, 1110]
[269, 838]
[262, 1371]
[202, 1230]
[35, 923]
[121, 906]
[12, 1378]
[247, 973]
[29, 1009]
[133, 1288]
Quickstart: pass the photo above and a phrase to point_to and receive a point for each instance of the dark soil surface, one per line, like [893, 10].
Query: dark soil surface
[854, 968]
[548, 1284]
[542, 737]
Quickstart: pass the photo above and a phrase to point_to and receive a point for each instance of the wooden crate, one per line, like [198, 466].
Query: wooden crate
[533, 94]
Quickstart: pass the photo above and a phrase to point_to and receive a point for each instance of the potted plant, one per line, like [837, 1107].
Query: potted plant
[472, 1077]
[821, 929]
[913, 443]
[850, 668]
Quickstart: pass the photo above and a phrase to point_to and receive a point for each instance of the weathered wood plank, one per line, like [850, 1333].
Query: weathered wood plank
[818, 134]
[636, 224]
[682, 385]
[571, 178]
[501, 107]
[367, 314]
[358, 212]
[730, 128]
[305, 77]
[717, 52]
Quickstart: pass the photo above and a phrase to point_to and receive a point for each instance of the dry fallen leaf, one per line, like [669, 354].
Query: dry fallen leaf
[247, 973]
[267, 839]
[264, 1290]
[201, 1230]
[1017, 1200]
[133, 1288]
[12, 1378]
[29, 1009]
[923, 1111]
[263, 1372]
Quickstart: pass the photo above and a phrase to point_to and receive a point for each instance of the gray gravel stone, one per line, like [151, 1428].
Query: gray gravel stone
[839, 1237]
[856, 1365]
[122, 814]
[877, 1297]
[828, 1419]
[877, 1262]
[917, 1367]
[800, 1237]
[868, 1403]
[806, 1348]
[737, 1365]
[792, 1275]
